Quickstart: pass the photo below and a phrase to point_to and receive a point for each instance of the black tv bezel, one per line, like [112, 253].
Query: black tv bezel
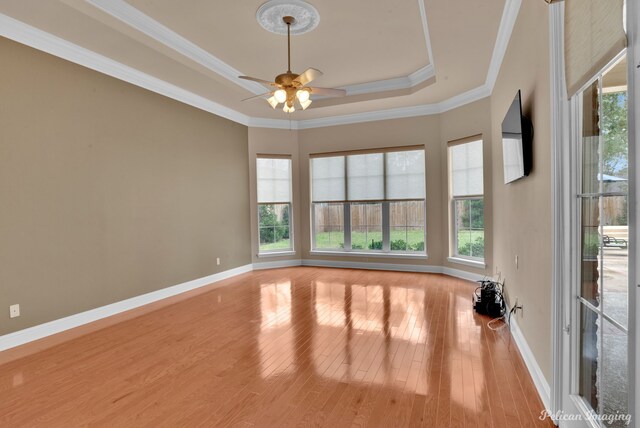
[526, 126]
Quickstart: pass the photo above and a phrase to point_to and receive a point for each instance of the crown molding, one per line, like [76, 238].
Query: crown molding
[371, 116]
[427, 38]
[134, 18]
[43, 41]
[467, 97]
[405, 82]
[23, 33]
[261, 122]
[507, 22]
[143, 23]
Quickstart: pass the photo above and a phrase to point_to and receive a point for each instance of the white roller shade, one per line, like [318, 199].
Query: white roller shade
[405, 175]
[274, 180]
[328, 179]
[593, 36]
[466, 169]
[365, 177]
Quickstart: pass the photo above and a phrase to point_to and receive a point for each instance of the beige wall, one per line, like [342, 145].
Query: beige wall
[467, 121]
[522, 210]
[423, 130]
[108, 191]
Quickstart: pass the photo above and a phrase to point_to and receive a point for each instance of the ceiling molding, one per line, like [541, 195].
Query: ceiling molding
[137, 20]
[507, 22]
[406, 82]
[261, 122]
[23, 33]
[427, 38]
[372, 116]
[143, 23]
[41, 40]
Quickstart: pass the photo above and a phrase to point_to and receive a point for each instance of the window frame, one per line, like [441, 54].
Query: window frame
[453, 229]
[456, 230]
[291, 248]
[385, 207]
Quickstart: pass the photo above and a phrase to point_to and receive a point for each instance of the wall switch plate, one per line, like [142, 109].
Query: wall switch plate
[218, 261]
[14, 311]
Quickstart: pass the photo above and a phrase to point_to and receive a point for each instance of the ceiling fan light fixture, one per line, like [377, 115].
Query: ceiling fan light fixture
[288, 109]
[280, 95]
[305, 104]
[302, 95]
[272, 100]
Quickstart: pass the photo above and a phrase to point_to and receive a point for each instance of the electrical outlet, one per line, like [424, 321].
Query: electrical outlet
[218, 261]
[14, 311]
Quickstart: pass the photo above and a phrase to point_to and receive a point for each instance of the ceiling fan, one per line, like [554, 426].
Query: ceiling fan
[291, 86]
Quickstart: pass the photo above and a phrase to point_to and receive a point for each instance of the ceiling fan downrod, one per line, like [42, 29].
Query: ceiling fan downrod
[288, 20]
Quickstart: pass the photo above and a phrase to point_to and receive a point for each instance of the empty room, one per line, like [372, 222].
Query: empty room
[268, 213]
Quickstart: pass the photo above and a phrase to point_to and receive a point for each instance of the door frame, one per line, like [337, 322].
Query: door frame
[633, 72]
[564, 209]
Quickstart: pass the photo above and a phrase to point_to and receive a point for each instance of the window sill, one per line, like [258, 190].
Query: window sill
[480, 264]
[277, 254]
[365, 254]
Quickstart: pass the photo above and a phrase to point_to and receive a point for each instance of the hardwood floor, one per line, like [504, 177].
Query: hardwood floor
[285, 347]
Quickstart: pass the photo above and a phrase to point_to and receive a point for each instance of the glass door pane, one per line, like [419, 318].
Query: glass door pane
[603, 380]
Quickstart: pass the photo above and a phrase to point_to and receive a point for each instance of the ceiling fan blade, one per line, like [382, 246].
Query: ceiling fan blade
[255, 79]
[307, 76]
[328, 92]
[256, 96]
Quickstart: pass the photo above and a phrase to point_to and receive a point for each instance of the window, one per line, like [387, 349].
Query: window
[329, 225]
[274, 204]
[370, 201]
[467, 200]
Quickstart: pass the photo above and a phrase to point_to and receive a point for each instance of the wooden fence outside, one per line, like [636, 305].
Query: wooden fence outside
[330, 217]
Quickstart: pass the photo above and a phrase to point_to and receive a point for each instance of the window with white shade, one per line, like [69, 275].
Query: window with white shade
[369, 201]
[273, 176]
[467, 199]
[365, 177]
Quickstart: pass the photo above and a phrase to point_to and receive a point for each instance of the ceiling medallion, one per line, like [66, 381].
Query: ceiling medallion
[270, 14]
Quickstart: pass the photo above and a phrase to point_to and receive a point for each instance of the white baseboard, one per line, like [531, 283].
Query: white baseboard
[395, 267]
[27, 335]
[544, 391]
[57, 326]
[277, 264]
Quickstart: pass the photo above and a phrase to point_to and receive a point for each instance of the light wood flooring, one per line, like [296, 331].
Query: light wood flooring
[285, 347]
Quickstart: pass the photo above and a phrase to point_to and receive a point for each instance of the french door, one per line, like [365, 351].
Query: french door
[599, 382]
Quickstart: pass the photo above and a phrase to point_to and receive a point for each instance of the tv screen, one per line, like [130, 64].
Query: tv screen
[516, 143]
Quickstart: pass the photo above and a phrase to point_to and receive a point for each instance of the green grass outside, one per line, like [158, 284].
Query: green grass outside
[334, 240]
[466, 237]
[283, 244]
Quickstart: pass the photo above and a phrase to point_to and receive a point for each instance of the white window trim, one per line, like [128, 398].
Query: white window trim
[276, 253]
[279, 251]
[378, 254]
[453, 229]
[454, 252]
[475, 263]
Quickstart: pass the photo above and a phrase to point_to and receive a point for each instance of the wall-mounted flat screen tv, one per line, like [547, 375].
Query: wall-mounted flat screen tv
[517, 136]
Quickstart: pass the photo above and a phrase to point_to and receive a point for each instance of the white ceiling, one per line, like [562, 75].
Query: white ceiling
[395, 58]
